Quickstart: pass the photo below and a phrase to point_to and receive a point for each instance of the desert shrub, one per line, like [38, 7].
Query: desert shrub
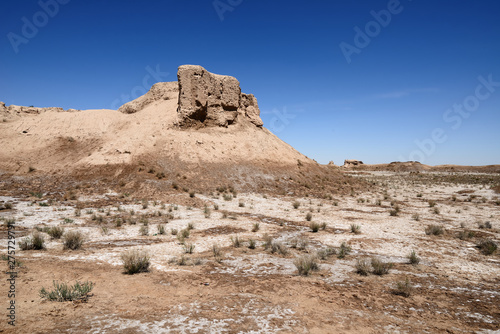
[487, 246]
[403, 288]
[251, 243]
[416, 217]
[267, 241]
[413, 258]
[314, 227]
[485, 225]
[144, 230]
[236, 242]
[436, 211]
[62, 292]
[434, 230]
[381, 267]
[356, 229]
[255, 227]
[395, 212]
[173, 231]
[207, 212]
[278, 247]
[344, 250]
[73, 240]
[190, 227]
[191, 194]
[161, 229]
[296, 205]
[299, 243]
[432, 203]
[323, 226]
[241, 204]
[188, 248]
[217, 252]
[363, 267]
[135, 261]
[34, 242]
[309, 217]
[305, 264]
[464, 235]
[324, 253]
[227, 197]
[55, 232]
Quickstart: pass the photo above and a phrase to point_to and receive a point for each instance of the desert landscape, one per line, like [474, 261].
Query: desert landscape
[181, 213]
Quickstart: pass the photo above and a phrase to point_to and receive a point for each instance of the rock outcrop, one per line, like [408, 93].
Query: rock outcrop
[209, 99]
[349, 163]
[159, 91]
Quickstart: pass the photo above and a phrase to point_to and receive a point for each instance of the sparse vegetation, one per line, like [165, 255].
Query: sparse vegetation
[73, 240]
[309, 217]
[413, 258]
[278, 247]
[161, 229]
[363, 267]
[217, 252]
[236, 242]
[380, 267]
[251, 243]
[305, 264]
[356, 229]
[403, 288]
[487, 246]
[188, 248]
[344, 250]
[314, 227]
[55, 232]
[296, 205]
[135, 261]
[255, 227]
[434, 230]
[144, 230]
[34, 242]
[64, 292]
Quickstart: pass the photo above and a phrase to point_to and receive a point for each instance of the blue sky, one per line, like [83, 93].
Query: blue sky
[420, 83]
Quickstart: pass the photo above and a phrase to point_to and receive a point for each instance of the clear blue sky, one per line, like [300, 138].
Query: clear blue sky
[397, 89]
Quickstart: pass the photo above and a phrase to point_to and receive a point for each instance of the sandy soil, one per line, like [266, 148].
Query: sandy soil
[455, 286]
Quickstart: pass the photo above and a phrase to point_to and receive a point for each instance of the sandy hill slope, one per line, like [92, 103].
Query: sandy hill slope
[201, 128]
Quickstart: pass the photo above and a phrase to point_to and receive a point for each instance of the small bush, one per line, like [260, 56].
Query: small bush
[434, 230]
[299, 243]
[135, 261]
[267, 241]
[73, 240]
[413, 258]
[464, 235]
[356, 229]
[55, 232]
[314, 227]
[363, 267]
[309, 217]
[487, 246]
[161, 229]
[62, 292]
[144, 230]
[34, 242]
[173, 231]
[191, 194]
[306, 264]
[241, 204]
[278, 247]
[432, 203]
[403, 288]
[344, 250]
[323, 226]
[188, 248]
[190, 227]
[395, 212]
[436, 211]
[207, 212]
[380, 267]
[251, 243]
[255, 227]
[217, 251]
[296, 205]
[416, 217]
[324, 253]
[227, 197]
[236, 242]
